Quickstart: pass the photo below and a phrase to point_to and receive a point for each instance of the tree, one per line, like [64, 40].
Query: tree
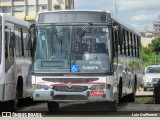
[149, 53]
[148, 56]
[156, 45]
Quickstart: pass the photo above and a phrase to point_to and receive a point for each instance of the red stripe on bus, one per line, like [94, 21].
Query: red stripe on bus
[60, 84]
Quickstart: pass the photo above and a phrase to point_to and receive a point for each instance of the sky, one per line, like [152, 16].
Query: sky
[138, 13]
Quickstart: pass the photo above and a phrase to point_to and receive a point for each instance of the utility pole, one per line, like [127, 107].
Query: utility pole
[155, 59]
[116, 6]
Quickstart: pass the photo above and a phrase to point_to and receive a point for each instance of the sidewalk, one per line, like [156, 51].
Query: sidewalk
[141, 93]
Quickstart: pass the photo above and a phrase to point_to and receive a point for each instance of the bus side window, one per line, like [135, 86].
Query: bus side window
[9, 56]
[115, 37]
[6, 44]
[26, 43]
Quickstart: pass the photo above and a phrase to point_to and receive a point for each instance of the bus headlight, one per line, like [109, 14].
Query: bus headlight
[97, 87]
[101, 87]
[46, 87]
[94, 87]
[39, 87]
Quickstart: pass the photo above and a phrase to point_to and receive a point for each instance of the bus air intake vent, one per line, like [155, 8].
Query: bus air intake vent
[70, 97]
[73, 88]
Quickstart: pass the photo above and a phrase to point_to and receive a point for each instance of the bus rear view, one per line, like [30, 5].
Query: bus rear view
[73, 60]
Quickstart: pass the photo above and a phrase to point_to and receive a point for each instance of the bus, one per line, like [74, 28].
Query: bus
[15, 62]
[84, 56]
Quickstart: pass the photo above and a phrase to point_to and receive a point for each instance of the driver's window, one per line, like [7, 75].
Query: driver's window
[43, 45]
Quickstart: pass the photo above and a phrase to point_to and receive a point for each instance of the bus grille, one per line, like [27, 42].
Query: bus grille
[70, 97]
[74, 88]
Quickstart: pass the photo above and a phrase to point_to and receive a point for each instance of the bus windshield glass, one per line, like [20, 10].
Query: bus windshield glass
[0, 37]
[72, 49]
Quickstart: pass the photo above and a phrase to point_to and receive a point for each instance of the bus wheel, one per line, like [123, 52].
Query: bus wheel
[120, 91]
[53, 106]
[157, 94]
[131, 97]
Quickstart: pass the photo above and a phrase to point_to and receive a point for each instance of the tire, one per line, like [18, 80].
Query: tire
[133, 94]
[131, 97]
[157, 94]
[53, 106]
[144, 89]
[120, 92]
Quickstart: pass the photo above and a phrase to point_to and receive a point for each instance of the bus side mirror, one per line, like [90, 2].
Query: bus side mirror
[12, 40]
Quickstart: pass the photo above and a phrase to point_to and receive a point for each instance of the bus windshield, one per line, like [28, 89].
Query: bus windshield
[0, 36]
[72, 49]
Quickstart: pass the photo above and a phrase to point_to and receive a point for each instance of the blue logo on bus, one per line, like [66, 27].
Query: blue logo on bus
[74, 68]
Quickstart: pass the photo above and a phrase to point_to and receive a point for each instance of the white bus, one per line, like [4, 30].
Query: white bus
[84, 56]
[15, 62]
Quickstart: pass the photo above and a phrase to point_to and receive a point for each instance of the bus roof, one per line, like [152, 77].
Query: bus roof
[124, 24]
[113, 17]
[73, 11]
[14, 20]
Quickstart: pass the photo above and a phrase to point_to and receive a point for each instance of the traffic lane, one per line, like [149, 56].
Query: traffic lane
[123, 106]
[87, 109]
[95, 107]
[142, 104]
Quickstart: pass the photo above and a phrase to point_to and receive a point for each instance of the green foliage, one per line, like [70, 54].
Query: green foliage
[156, 45]
[150, 54]
[134, 64]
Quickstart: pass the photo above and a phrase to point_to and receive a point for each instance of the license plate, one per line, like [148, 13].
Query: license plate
[97, 93]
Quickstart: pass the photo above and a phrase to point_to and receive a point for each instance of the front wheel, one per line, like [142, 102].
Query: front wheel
[131, 96]
[157, 94]
[53, 106]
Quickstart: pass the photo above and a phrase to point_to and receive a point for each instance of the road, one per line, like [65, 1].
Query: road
[142, 104]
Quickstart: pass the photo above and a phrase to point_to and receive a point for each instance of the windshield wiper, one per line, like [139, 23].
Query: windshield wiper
[58, 38]
[83, 30]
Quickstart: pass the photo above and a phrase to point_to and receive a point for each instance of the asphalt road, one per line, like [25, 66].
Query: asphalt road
[144, 104]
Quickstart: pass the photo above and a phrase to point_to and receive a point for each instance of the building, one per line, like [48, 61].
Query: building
[27, 9]
[146, 38]
[147, 35]
[156, 26]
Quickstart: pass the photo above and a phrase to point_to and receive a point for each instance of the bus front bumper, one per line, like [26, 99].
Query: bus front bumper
[85, 96]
